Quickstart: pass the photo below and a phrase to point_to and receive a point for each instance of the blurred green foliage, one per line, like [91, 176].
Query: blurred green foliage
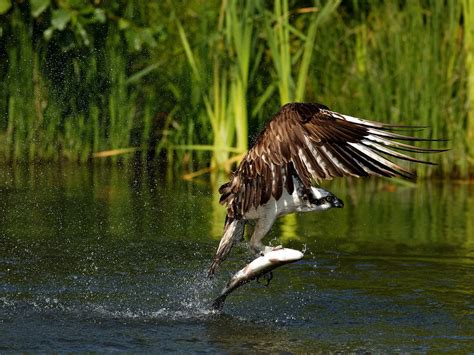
[187, 81]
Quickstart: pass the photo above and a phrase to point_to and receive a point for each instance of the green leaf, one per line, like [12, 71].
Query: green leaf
[48, 33]
[134, 39]
[99, 15]
[77, 3]
[60, 19]
[5, 6]
[146, 36]
[137, 76]
[123, 24]
[38, 6]
[83, 33]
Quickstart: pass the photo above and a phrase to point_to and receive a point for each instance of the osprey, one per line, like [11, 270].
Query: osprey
[303, 144]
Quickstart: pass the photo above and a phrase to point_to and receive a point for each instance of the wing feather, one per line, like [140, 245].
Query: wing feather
[371, 166]
[277, 187]
[352, 164]
[316, 169]
[289, 179]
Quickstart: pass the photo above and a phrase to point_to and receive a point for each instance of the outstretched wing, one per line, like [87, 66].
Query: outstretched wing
[315, 143]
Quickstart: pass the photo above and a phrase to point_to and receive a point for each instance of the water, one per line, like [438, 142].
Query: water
[102, 259]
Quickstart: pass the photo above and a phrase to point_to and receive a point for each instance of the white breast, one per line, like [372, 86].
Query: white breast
[287, 203]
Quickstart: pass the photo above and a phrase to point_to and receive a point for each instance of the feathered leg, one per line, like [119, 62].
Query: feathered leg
[261, 229]
[233, 233]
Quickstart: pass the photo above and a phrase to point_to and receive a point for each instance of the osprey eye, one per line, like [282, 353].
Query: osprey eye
[329, 198]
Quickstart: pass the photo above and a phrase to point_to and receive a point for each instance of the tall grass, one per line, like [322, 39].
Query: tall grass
[20, 117]
[68, 104]
[401, 62]
[426, 86]
[292, 64]
[229, 62]
[196, 92]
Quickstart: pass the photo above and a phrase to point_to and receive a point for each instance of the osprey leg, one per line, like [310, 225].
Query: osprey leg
[233, 233]
[261, 229]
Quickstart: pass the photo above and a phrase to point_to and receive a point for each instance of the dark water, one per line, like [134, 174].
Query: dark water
[110, 259]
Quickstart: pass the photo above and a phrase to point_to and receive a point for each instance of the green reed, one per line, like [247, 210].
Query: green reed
[20, 106]
[420, 76]
[468, 16]
[228, 63]
[71, 104]
[192, 86]
[401, 63]
[292, 63]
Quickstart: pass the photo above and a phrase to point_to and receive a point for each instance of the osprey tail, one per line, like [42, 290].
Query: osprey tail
[233, 233]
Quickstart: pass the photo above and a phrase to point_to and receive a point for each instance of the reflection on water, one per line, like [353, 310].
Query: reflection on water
[103, 259]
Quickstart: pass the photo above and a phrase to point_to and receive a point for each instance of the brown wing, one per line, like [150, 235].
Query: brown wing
[314, 143]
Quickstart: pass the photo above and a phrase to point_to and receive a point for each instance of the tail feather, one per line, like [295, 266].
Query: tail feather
[233, 232]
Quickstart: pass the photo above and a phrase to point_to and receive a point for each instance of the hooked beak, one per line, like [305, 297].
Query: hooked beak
[338, 203]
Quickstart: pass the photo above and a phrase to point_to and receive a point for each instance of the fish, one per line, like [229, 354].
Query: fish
[256, 269]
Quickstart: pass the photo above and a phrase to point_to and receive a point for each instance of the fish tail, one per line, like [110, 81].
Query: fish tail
[233, 233]
[218, 303]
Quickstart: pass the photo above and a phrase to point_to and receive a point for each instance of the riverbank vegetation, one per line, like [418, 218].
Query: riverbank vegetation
[192, 84]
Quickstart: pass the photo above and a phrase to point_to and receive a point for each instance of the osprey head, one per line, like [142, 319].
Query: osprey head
[324, 200]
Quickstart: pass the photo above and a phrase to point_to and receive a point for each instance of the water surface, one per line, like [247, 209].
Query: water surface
[104, 259]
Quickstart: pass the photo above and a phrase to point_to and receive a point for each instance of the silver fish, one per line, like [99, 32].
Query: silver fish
[257, 268]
